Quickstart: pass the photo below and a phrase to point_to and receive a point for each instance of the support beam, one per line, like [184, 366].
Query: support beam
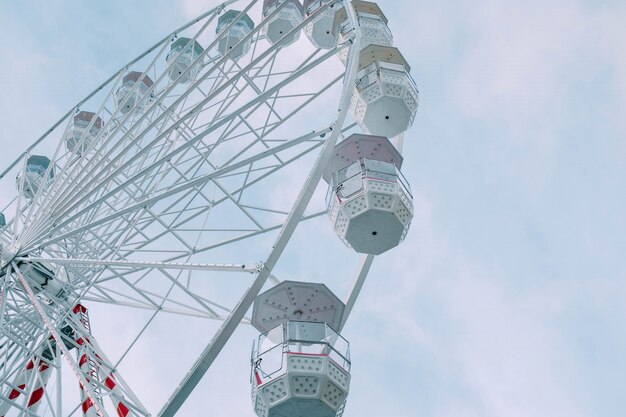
[366, 264]
[249, 268]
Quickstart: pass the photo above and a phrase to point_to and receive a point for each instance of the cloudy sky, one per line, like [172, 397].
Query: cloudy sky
[507, 298]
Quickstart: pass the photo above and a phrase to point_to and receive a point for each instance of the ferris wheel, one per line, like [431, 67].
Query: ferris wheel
[176, 187]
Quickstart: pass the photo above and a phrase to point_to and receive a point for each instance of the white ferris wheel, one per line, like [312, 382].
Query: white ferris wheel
[176, 187]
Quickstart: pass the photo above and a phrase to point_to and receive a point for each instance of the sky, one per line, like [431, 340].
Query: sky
[506, 299]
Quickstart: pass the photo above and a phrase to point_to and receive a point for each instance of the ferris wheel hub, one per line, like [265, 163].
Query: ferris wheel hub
[7, 254]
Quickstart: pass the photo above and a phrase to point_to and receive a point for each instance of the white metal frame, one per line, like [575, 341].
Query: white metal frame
[137, 204]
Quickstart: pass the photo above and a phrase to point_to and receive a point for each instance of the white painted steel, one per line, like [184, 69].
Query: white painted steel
[168, 174]
[292, 300]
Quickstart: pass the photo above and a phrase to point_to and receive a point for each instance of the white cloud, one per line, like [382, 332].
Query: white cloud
[193, 8]
[511, 353]
[516, 55]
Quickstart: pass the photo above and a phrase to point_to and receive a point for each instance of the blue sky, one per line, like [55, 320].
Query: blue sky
[506, 299]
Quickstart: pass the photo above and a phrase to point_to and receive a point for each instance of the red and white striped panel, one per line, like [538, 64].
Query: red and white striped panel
[36, 397]
[86, 364]
[20, 383]
[118, 397]
[23, 379]
[91, 364]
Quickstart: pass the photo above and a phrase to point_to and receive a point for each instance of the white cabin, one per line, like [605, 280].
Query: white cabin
[33, 178]
[373, 24]
[231, 38]
[82, 132]
[369, 202]
[322, 31]
[300, 365]
[289, 15]
[133, 91]
[181, 56]
[385, 97]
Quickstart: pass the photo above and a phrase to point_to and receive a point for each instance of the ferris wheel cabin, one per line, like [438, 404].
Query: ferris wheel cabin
[3, 220]
[183, 52]
[321, 31]
[82, 132]
[369, 202]
[300, 365]
[289, 15]
[385, 99]
[132, 92]
[231, 41]
[373, 24]
[34, 176]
